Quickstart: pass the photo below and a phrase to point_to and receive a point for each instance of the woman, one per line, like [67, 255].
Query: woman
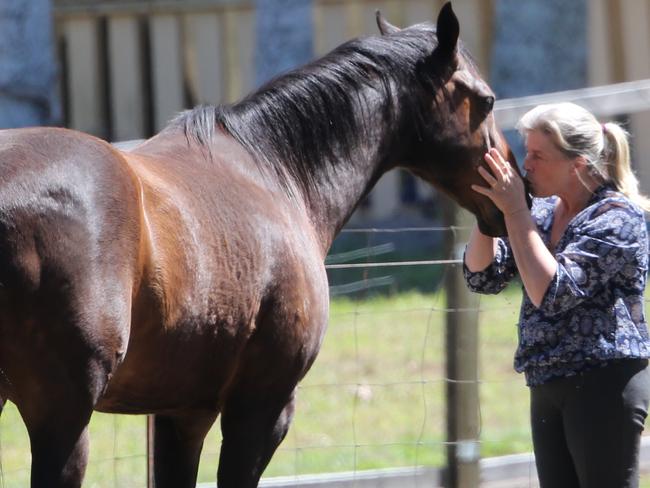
[582, 255]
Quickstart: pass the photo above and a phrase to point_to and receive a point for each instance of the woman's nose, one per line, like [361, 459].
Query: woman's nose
[526, 165]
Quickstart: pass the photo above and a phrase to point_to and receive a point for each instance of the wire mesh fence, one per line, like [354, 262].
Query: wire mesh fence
[375, 397]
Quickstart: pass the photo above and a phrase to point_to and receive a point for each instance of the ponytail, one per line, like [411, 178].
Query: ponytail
[616, 159]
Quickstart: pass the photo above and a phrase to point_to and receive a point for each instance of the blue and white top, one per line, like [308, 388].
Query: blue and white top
[593, 310]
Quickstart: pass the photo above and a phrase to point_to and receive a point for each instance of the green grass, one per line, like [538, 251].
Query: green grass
[374, 399]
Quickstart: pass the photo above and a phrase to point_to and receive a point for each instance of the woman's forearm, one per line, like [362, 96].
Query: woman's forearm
[480, 251]
[535, 263]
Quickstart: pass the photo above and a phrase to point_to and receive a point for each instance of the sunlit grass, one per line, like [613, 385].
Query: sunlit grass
[375, 398]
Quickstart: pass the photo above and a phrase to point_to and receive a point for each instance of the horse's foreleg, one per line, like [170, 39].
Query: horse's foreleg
[252, 426]
[59, 450]
[178, 441]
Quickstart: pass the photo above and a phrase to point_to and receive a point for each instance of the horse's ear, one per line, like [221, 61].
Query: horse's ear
[385, 27]
[447, 29]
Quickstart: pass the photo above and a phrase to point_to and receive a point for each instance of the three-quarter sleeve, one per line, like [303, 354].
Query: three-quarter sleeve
[608, 243]
[497, 275]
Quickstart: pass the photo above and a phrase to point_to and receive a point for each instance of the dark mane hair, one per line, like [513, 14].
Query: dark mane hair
[301, 122]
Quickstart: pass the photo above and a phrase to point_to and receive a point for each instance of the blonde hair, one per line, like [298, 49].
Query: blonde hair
[576, 132]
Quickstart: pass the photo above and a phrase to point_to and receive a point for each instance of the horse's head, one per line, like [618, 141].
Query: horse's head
[447, 117]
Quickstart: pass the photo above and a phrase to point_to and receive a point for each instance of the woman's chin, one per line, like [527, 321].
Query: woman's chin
[536, 192]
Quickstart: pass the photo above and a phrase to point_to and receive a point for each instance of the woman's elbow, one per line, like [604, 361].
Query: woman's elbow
[485, 290]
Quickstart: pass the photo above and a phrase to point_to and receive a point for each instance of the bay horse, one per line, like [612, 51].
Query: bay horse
[185, 278]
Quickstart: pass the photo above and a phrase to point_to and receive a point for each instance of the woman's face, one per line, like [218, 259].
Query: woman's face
[548, 170]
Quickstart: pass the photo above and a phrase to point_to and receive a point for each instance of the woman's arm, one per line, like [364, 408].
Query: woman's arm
[535, 263]
[480, 251]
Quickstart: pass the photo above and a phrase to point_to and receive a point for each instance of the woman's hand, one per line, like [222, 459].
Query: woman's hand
[505, 187]
[535, 263]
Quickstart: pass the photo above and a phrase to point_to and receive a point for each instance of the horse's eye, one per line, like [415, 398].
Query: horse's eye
[486, 104]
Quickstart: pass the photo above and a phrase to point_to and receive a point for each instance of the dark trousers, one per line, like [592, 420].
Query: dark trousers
[587, 428]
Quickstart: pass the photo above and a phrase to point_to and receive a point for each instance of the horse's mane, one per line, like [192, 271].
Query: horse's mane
[303, 121]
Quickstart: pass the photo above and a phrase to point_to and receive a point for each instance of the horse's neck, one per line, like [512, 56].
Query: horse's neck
[339, 189]
[336, 195]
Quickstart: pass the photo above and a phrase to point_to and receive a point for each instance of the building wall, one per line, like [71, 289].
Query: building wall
[129, 65]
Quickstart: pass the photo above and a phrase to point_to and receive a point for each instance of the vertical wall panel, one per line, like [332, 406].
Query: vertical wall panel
[365, 23]
[636, 38]
[354, 15]
[125, 61]
[331, 25]
[418, 11]
[636, 52]
[204, 57]
[600, 67]
[219, 55]
[240, 39]
[472, 25]
[84, 84]
[368, 16]
[167, 68]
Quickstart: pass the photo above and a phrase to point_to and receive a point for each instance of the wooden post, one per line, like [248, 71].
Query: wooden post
[150, 429]
[461, 362]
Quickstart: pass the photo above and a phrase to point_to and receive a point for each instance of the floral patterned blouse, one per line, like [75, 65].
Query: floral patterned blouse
[593, 309]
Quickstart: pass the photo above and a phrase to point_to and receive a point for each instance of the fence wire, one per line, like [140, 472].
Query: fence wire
[360, 391]
[359, 407]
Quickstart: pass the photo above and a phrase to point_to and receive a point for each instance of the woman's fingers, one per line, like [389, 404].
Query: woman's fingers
[495, 165]
[481, 189]
[494, 152]
[498, 158]
[504, 184]
[501, 169]
[489, 179]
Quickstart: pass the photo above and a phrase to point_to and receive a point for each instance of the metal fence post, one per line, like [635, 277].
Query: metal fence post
[461, 362]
